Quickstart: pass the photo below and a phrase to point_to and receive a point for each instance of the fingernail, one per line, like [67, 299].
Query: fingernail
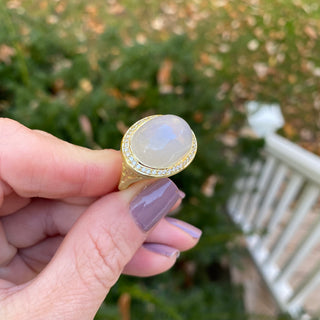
[154, 202]
[193, 231]
[162, 249]
[182, 194]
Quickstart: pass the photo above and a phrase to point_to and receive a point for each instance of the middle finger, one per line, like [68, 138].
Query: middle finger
[42, 218]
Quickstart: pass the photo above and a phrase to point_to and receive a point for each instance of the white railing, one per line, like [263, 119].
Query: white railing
[276, 204]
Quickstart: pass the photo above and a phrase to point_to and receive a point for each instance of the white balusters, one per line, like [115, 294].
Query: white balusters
[269, 197]
[288, 196]
[302, 292]
[259, 189]
[278, 194]
[309, 242]
[248, 190]
[306, 201]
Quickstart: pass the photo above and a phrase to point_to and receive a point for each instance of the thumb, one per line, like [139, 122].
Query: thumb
[97, 248]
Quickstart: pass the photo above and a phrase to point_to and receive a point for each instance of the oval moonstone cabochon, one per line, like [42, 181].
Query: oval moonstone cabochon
[162, 141]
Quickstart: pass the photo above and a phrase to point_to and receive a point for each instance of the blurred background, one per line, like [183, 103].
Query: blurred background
[85, 71]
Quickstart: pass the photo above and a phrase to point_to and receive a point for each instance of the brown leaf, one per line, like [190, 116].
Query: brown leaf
[61, 6]
[289, 130]
[164, 76]
[91, 9]
[310, 32]
[158, 23]
[132, 101]
[292, 78]
[115, 93]
[85, 85]
[227, 118]
[124, 303]
[205, 58]
[137, 84]
[95, 25]
[261, 69]
[6, 53]
[15, 4]
[86, 127]
[58, 85]
[229, 140]
[116, 9]
[122, 127]
[209, 185]
[198, 116]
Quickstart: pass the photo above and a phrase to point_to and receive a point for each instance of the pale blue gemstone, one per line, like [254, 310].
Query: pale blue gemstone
[163, 141]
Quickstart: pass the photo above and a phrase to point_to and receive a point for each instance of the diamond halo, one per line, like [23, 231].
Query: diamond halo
[147, 171]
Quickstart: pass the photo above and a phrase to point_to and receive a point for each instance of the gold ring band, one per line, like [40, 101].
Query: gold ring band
[134, 170]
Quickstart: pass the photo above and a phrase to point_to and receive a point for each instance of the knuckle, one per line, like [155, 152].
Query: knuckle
[105, 258]
[8, 128]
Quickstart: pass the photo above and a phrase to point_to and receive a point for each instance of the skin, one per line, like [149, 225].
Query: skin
[66, 233]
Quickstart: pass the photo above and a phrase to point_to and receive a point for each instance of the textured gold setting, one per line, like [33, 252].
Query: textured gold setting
[133, 170]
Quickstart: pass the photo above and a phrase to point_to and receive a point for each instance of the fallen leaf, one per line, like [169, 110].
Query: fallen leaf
[208, 187]
[227, 118]
[52, 19]
[137, 84]
[124, 303]
[310, 32]
[306, 134]
[94, 25]
[292, 78]
[132, 101]
[253, 45]
[271, 47]
[261, 69]
[289, 130]
[91, 9]
[205, 58]
[58, 85]
[6, 53]
[61, 6]
[224, 47]
[158, 23]
[116, 9]
[164, 76]
[122, 127]
[86, 127]
[115, 93]
[198, 116]
[229, 140]
[13, 4]
[169, 8]
[316, 72]
[86, 85]
[141, 38]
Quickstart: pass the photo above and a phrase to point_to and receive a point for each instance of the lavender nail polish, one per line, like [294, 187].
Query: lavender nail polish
[193, 231]
[154, 202]
[162, 249]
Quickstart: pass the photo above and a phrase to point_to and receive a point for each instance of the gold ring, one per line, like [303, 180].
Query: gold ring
[157, 146]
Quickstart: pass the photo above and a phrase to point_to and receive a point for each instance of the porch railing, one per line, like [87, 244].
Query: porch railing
[277, 205]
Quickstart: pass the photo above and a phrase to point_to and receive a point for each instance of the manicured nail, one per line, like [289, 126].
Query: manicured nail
[182, 194]
[186, 227]
[154, 202]
[162, 249]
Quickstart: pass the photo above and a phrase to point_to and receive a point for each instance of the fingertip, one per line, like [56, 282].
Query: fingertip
[162, 250]
[151, 259]
[191, 230]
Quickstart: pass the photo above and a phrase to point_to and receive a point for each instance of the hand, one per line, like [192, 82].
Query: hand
[66, 233]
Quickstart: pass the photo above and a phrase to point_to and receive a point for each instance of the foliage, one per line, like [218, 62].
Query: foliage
[87, 71]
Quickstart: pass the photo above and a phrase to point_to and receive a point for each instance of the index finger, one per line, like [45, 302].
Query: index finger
[41, 165]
